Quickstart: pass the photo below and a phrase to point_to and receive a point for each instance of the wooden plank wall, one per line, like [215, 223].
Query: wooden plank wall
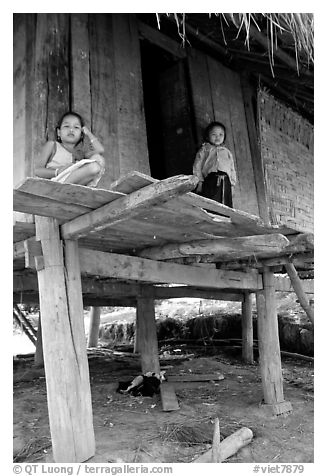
[217, 95]
[87, 62]
[19, 109]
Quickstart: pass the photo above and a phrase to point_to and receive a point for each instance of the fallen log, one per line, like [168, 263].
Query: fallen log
[228, 447]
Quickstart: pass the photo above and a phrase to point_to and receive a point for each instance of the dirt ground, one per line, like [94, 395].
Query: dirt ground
[135, 429]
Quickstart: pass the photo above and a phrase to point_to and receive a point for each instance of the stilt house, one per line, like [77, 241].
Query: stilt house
[143, 234]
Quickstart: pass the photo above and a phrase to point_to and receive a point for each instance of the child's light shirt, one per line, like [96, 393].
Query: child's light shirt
[62, 157]
[212, 158]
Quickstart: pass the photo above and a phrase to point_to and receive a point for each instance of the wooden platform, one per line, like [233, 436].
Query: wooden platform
[179, 219]
[145, 218]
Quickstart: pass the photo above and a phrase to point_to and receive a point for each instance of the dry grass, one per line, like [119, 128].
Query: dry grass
[33, 448]
[187, 433]
[300, 26]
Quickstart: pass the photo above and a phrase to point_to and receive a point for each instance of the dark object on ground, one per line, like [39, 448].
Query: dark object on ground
[143, 385]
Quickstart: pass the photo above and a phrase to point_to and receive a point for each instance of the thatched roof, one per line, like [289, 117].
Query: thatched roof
[277, 49]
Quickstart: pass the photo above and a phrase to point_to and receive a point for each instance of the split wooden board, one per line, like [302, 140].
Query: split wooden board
[168, 397]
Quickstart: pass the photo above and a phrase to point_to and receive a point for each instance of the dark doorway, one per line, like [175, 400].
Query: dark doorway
[168, 113]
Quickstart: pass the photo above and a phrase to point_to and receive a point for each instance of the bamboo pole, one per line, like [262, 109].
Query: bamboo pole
[298, 289]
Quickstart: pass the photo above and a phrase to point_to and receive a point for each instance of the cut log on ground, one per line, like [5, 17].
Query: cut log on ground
[229, 446]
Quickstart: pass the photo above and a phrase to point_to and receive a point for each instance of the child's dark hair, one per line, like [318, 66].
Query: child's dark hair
[209, 128]
[68, 113]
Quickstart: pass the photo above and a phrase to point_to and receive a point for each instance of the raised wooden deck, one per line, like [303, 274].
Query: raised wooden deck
[151, 221]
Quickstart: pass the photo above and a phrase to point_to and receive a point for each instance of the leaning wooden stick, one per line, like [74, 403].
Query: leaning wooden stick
[298, 289]
[229, 446]
[216, 442]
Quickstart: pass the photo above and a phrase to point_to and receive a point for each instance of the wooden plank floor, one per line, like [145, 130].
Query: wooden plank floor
[185, 218]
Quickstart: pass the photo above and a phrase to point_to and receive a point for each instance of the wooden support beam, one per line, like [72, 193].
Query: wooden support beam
[161, 40]
[298, 289]
[269, 350]
[147, 334]
[247, 329]
[143, 270]
[186, 291]
[128, 206]
[298, 260]
[245, 245]
[65, 358]
[95, 315]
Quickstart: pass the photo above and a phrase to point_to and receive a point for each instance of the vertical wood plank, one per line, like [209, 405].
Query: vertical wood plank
[201, 92]
[103, 93]
[247, 329]
[249, 95]
[80, 66]
[58, 69]
[29, 151]
[19, 92]
[65, 360]
[147, 334]
[132, 141]
[229, 109]
[269, 351]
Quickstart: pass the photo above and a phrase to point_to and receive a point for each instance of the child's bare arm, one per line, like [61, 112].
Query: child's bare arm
[40, 168]
[96, 144]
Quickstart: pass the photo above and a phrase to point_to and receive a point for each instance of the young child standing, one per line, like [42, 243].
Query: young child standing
[75, 157]
[214, 166]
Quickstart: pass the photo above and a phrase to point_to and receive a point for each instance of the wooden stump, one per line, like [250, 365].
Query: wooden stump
[95, 315]
[269, 351]
[247, 329]
[64, 348]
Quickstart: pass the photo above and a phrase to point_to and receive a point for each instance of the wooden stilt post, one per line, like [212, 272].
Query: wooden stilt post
[38, 357]
[297, 286]
[64, 348]
[147, 332]
[95, 315]
[136, 331]
[269, 350]
[247, 328]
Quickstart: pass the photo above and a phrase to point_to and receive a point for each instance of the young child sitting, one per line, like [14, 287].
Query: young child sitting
[214, 166]
[75, 157]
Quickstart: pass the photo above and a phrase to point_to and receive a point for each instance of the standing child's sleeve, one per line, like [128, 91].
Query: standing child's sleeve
[198, 164]
[232, 177]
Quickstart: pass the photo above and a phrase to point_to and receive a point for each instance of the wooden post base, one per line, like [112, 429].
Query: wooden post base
[147, 341]
[278, 409]
[64, 348]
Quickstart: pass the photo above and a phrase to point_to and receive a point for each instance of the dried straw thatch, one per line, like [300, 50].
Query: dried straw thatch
[300, 26]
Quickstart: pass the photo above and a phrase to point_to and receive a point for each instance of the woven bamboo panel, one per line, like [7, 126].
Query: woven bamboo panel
[286, 141]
